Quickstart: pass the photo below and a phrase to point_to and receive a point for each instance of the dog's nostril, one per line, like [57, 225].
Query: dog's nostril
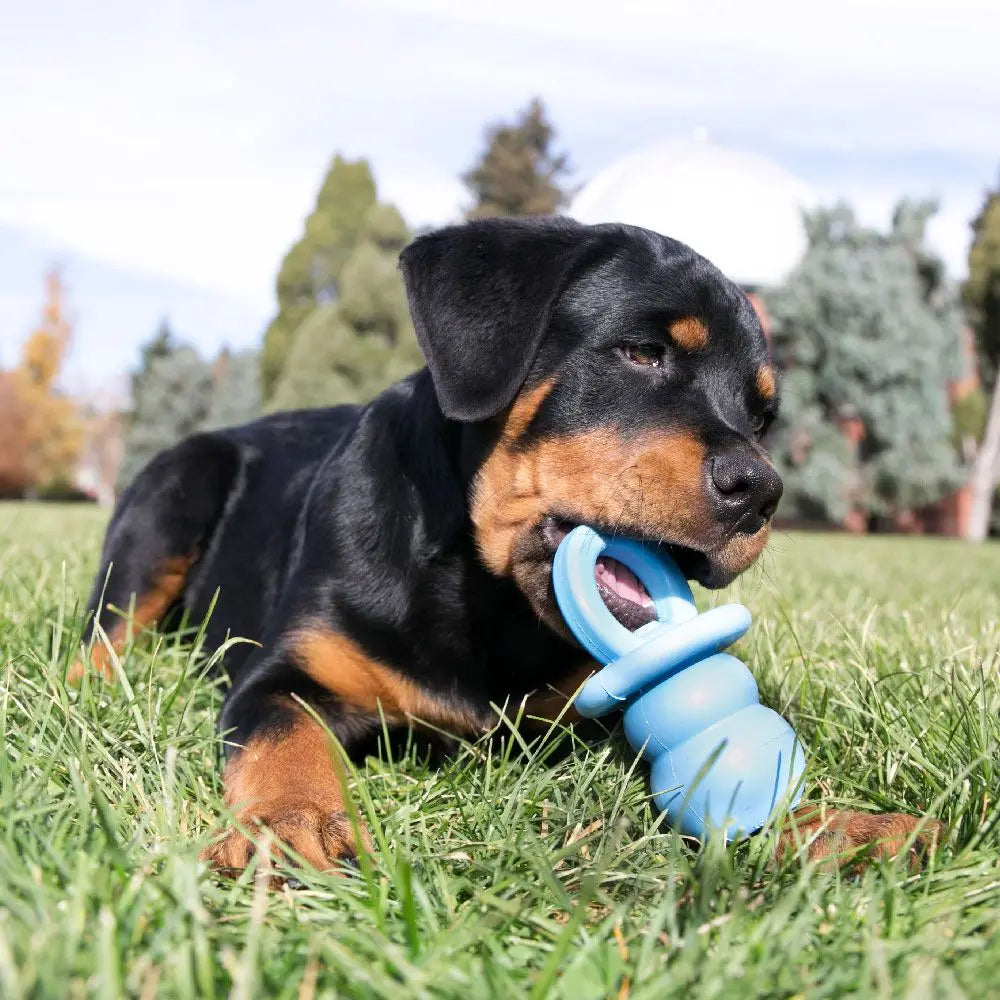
[744, 484]
[731, 474]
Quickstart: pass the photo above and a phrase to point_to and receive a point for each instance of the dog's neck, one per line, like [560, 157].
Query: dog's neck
[464, 613]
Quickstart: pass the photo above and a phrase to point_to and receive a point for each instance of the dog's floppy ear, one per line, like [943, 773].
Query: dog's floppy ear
[481, 296]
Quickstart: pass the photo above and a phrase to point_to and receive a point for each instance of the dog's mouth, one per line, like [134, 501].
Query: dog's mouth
[622, 591]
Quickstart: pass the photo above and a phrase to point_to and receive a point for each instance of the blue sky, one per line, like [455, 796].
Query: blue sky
[167, 153]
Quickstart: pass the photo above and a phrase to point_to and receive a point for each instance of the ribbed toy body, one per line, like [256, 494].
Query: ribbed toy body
[720, 759]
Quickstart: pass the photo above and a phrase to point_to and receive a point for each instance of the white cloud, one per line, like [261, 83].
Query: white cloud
[187, 139]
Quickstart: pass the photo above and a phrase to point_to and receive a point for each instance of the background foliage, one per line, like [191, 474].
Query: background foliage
[518, 173]
[981, 290]
[889, 372]
[40, 429]
[869, 332]
[343, 331]
[176, 392]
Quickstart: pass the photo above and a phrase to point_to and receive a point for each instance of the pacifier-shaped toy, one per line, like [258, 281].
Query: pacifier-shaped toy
[720, 759]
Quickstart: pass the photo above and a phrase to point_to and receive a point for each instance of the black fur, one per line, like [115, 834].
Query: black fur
[358, 517]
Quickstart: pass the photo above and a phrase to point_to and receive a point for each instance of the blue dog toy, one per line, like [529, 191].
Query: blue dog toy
[721, 760]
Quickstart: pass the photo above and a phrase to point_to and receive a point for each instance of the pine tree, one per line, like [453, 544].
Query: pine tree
[171, 398]
[175, 393]
[162, 344]
[350, 348]
[310, 273]
[981, 294]
[981, 291]
[235, 390]
[518, 173]
[870, 333]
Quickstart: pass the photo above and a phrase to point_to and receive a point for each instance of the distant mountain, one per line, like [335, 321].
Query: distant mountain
[114, 309]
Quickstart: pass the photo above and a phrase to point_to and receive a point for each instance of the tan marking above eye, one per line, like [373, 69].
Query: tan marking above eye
[689, 333]
[766, 382]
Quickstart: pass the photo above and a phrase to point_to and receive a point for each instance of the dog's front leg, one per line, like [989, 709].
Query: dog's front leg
[285, 787]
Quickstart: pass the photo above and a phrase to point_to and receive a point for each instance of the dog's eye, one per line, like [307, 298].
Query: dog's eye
[647, 355]
[760, 424]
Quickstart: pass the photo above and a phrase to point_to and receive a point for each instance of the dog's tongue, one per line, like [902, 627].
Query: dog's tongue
[620, 580]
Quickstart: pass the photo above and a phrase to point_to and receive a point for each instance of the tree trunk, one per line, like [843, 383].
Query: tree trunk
[984, 473]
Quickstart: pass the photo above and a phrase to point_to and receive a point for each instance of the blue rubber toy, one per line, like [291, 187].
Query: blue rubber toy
[720, 759]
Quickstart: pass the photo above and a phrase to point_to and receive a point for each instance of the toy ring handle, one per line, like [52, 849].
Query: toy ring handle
[579, 599]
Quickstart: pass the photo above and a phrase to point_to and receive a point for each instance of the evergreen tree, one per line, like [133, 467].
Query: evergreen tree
[350, 348]
[981, 294]
[171, 398]
[981, 291]
[175, 392]
[160, 345]
[235, 390]
[518, 173]
[310, 273]
[870, 333]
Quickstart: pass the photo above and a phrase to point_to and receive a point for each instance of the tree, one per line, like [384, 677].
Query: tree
[162, 344]
[175, 392]
[332, 363]
[310, 272]
[518, 173]
[15, 472]
[871, 335]
[235, 389]
[173, 401]
[981, 291]
[981, 294]
[40, 430]
[351, 347]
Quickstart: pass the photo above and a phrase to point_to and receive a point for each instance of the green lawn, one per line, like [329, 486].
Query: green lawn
[508, 876]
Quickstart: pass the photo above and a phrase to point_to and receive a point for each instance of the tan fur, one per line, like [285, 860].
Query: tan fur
[150, 607]
[651, 483]
[364, 685]
[766, 382]
[292, 784]
[524, 409]
[839, 836]
[689, 333]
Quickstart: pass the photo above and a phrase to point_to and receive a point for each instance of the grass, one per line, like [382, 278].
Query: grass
[510, 875]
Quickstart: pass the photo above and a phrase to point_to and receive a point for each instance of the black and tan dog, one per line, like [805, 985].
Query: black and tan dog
[394, 560]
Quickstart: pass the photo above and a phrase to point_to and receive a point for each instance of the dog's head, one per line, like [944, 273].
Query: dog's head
[619, 380]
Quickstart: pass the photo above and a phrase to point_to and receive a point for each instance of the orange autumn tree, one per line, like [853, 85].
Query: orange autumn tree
[42, 435]
[14, 473]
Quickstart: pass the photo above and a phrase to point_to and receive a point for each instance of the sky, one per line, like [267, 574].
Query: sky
[166, 154]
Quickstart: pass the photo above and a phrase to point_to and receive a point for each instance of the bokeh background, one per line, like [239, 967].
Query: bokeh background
[201, 205]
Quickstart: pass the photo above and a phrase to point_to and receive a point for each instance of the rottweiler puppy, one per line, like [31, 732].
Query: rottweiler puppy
[394, 560]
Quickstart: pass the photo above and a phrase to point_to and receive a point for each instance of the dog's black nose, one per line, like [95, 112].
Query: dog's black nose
[745, 489]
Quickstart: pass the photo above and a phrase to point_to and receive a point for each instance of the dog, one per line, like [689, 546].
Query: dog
[393, 561]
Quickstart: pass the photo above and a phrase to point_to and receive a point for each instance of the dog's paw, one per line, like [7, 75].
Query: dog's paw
[843, 837]
[288, 833]
[98, 664]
